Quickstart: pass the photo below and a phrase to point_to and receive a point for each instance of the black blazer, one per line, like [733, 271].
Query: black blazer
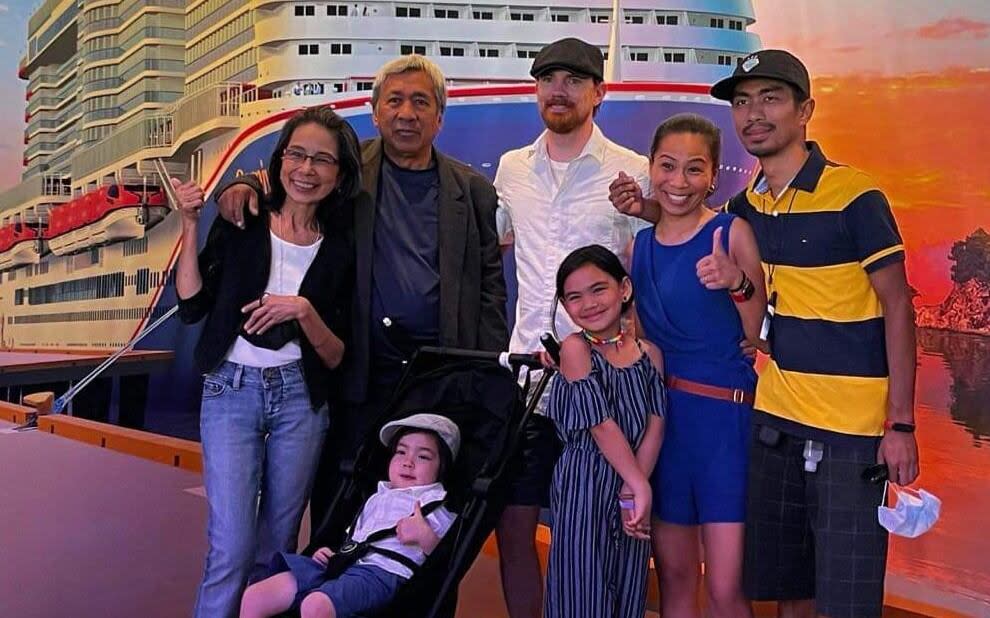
[234, 266]
[472, 288]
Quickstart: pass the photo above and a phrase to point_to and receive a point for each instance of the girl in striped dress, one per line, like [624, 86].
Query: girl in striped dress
[608, 411]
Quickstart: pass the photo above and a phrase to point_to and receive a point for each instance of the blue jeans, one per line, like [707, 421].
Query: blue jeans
[261, 439]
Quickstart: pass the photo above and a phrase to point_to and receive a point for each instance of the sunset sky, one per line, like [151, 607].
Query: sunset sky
[902, 88]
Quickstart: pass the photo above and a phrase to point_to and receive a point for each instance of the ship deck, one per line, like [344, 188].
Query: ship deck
[21, 368]
[93, 531]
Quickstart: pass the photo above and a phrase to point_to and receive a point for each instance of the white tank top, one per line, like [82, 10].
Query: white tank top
[288, 267]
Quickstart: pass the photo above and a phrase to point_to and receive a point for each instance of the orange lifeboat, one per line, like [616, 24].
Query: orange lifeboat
[20, 244]
[112, 213]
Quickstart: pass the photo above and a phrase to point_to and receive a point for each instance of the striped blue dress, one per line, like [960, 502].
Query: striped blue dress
[595, 569]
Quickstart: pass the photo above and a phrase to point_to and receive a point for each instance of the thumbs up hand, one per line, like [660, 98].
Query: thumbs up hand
[717, 271]
[414, 530]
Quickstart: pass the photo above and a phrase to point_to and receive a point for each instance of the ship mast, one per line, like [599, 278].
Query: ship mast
[613, 68]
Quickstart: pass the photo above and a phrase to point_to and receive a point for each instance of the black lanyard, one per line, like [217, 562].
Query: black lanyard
[778, 237]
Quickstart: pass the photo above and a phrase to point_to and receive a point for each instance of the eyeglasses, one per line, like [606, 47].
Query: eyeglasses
[298, 156]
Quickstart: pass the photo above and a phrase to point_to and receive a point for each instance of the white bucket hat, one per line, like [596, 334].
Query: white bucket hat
[443, 426]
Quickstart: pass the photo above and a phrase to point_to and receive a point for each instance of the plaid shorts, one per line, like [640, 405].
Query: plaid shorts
[815, 535]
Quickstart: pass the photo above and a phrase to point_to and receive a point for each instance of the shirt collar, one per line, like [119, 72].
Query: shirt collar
[595, 147]
[807, 177]
[417, 491]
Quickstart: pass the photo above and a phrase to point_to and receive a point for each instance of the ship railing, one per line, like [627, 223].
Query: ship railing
[152, 6]
[43, 185]
[47, 75]
[216, 103]
[41, 15]
[151, 130]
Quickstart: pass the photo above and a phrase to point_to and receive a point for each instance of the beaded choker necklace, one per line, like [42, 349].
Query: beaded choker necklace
[592, 339]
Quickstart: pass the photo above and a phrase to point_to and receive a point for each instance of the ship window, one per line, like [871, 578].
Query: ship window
[142, 281]
[639, 56]
[521, 16]
[667, 20]
[559, 17]
[338, 49]
[735, 24]
[725, 60]
[446, 50]
[364, 86]
[408, 11]
[446, 14]
[635, 19]
[717, 23]
[487, 52]
[673, 57]
[599, 19]
[307, 10]
[136, 246]
[527, 53]
[412, 49]
[339, 86]
[337, 10]
[484, 15]
[309, 49]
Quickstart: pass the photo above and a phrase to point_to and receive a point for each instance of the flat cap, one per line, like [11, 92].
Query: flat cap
[572, 55]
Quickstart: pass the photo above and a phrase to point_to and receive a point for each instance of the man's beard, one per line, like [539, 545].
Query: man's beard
[562, 123]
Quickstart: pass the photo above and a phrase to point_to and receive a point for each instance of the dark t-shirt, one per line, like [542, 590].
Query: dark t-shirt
[405, 272]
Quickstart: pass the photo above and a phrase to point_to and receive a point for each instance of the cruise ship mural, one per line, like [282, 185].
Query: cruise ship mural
[87, 242]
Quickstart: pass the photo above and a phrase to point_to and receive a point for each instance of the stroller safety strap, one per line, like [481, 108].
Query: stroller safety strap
[351, 551]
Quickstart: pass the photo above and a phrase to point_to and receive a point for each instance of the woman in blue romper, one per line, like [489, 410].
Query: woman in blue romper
[700, 294]
[607, 406]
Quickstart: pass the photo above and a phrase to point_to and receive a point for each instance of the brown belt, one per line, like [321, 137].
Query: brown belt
[735, 395]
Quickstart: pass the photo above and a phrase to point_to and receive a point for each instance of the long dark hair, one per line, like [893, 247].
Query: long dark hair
[599, 257]
[348, 156]
[690, 123]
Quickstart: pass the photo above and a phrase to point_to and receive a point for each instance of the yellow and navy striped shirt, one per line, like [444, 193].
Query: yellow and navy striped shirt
[819, 240]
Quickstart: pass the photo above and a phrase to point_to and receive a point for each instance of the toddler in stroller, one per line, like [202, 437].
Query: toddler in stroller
[393, 534]
[479, 393]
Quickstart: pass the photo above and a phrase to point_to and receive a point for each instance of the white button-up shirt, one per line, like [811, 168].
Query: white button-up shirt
[547, 215]
[385, 508]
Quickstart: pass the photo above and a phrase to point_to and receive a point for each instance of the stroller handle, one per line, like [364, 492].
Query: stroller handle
[510, 361]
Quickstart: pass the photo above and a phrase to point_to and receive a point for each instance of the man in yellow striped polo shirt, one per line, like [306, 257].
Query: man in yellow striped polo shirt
[837, 396]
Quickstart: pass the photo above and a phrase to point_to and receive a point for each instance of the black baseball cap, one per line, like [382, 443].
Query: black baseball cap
[766, 64]
[572, 55]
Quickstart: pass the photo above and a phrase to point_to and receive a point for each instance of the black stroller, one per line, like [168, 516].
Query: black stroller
[480, 392]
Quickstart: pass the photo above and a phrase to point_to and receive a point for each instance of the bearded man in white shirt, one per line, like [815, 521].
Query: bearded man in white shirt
[553, 198]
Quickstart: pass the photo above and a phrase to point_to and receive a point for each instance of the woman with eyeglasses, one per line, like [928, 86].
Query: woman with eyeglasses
[275, 296]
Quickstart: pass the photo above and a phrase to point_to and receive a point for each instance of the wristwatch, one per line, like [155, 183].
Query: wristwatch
[901, 427]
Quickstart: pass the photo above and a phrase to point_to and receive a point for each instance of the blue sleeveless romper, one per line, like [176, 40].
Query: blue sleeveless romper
[700, 476]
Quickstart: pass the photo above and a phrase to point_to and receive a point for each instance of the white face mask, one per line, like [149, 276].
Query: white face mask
[913, 515]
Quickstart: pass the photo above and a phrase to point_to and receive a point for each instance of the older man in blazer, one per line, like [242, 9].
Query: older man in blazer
[429, 270]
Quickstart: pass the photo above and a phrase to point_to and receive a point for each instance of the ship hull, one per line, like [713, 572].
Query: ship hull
[479, 125]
